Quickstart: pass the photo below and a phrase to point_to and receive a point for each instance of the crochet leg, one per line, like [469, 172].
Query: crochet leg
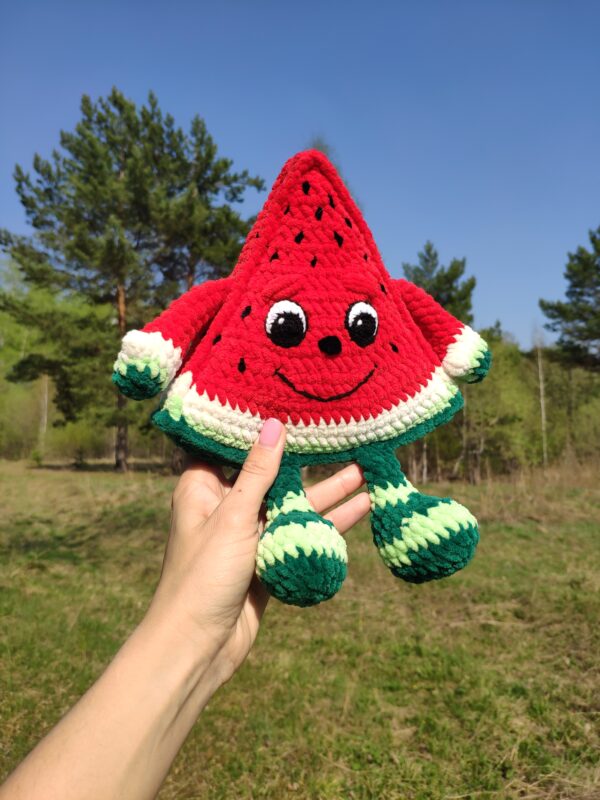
[301, 557]
[420, 538]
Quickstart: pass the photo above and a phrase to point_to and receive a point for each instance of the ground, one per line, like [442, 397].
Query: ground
[484, 685]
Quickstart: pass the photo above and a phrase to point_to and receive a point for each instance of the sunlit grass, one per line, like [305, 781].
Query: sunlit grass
[482, 685]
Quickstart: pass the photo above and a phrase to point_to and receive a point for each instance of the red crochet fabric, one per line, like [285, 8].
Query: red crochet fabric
[310, 328]
[309, 244]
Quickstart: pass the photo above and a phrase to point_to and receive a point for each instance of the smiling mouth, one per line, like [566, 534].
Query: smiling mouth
[310, 396]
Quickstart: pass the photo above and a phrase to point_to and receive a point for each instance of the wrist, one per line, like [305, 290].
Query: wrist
[184, 659]
[197, 648]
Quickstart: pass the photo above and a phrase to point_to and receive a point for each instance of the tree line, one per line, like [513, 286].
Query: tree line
[130, 210]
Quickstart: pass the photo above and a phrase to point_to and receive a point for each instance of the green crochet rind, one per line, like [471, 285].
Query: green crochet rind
[304, 580]
[420, 538]
[478, 373]
[137, 384]
[440, 560]
[210, 450]
[299, 578]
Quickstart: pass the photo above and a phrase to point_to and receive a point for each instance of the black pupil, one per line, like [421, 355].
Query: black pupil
[287, 329]
[363, 329]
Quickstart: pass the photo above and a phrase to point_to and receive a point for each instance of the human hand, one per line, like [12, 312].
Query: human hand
[200, 626]
[208, 585]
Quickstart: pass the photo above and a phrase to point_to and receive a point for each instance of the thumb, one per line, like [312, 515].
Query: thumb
[257, 473]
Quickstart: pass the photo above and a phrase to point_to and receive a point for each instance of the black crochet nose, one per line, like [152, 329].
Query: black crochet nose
[330, 345]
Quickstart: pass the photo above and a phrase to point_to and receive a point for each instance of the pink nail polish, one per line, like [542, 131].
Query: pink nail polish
[270, 433]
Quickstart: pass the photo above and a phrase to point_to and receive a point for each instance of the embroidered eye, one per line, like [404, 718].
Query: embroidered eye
[362, 323]
[286, 323]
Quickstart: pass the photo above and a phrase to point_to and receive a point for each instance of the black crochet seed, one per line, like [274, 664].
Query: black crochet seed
[287, 209]
[242, 365]
[306, 187]
[313, 261]
[274, 256]
[246, 311]
[383, 289]
[339, 239]
[393, 346]
[348, 222]
[366, 257]
[257, 235]
[217, 338]
[319, 212]
[298, 238]
[331, 203]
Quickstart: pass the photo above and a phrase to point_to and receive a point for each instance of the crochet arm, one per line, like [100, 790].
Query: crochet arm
[462, 351]
[150, 358]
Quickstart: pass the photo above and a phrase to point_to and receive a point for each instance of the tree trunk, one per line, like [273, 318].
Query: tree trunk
[475, 461]
[542, 387]
[463, 458]
[43, 426]
[424, 465]
[178, 461]
[438, 463]
[570, 452]
[412, 464]
[191, 273]
[121, 439]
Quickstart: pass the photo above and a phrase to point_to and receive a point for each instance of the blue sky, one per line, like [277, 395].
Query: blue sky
[473, 123]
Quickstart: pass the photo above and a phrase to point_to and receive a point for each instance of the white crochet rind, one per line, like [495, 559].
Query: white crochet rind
[228, 425]
[152, 349]
[464, 352]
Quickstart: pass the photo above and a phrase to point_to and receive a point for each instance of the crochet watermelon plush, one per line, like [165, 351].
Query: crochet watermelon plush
[310, 328]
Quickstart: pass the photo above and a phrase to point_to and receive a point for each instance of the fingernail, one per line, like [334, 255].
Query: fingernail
[270, 433]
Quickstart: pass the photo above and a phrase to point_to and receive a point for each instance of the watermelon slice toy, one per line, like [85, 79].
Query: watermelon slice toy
[311, 329]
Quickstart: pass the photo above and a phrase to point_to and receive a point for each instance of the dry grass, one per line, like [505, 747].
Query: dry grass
[481, 686]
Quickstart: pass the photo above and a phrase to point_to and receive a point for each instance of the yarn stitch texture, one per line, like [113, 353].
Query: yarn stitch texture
[310, 328]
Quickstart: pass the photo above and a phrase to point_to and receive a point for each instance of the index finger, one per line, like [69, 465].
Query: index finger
[337, 487]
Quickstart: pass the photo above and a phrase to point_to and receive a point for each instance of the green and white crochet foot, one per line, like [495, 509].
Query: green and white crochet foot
[419, 538]
[301, 557]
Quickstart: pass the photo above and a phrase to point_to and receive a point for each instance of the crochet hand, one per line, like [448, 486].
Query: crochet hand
[208, 584]
[137, 382]
[481, 368]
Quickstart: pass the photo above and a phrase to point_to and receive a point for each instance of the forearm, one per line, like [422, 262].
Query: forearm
[120, 739]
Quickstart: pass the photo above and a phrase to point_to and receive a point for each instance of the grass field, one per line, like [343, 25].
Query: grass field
[485, 685]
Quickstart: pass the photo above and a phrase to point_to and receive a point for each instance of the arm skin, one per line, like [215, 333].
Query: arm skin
[464, 355]
[120, 739]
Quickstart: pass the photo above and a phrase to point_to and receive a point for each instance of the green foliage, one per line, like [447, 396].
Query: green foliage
[445, 284]
[127, 213]
[129, 200]
[70, 340]
[200, 239]
[500, 422]
[577, 320]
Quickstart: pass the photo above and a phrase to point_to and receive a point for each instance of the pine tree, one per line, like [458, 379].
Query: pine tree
[577, 320]
[445, 284]
[127, 212]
